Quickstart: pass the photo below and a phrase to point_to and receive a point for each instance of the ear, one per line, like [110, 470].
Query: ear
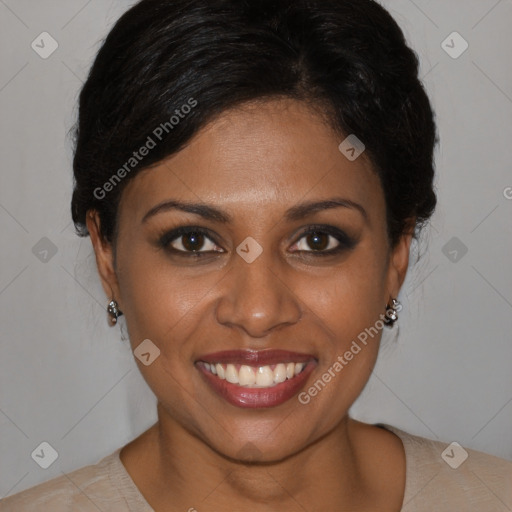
[104, 256]
[399, 261]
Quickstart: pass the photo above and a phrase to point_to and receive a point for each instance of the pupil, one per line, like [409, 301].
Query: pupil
[193, 241]
[319, 241]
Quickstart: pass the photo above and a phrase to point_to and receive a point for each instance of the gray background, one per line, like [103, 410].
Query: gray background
[68, 379]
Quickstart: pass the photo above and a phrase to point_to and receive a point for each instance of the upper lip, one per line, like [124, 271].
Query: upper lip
[256, 357]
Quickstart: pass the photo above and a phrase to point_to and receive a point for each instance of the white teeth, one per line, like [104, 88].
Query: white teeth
[246, 376]
[249, 376]
[231, 374]
[264, 376]
[280, 373]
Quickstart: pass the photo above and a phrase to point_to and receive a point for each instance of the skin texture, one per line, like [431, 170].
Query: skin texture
[254, 163]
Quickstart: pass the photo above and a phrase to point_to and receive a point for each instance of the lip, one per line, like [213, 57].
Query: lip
[245, 397]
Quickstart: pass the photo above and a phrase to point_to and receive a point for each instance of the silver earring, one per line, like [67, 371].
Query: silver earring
[114, 311]
[391, 315]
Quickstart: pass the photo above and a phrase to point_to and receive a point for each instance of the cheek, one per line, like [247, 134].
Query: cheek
[348, 305]
[351, 298]
[163, 304]
[158, 297]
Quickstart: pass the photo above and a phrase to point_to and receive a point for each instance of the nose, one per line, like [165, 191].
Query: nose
[256, 298]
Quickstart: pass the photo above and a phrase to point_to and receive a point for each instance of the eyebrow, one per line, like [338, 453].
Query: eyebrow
[294, 213]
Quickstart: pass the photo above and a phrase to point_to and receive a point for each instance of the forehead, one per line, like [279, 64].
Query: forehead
[260, 157]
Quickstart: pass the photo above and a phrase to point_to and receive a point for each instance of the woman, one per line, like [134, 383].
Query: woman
[251, 174]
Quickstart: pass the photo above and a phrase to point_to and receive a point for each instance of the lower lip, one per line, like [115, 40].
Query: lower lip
[257, 397]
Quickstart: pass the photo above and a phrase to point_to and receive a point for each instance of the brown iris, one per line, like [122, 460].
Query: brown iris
[193, 241]
[318, 241]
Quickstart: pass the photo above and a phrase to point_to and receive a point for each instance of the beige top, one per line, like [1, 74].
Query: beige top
[481, 483]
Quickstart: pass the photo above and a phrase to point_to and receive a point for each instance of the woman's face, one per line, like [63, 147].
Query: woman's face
[253, 279]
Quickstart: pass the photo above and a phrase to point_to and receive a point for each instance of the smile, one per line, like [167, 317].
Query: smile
[253, 379]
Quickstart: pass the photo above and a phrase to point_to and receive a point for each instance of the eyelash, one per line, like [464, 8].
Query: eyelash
[345, 242]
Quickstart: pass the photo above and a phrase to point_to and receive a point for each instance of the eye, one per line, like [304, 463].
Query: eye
[189, 239]
[197, 242]
[324, 240]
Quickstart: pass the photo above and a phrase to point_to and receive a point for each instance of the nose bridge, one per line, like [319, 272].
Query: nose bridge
[256, 298]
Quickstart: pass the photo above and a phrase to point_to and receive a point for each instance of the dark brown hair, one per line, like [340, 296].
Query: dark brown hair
[348, 57]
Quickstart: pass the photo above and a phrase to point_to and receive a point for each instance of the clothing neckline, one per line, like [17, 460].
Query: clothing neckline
[405, 437]
[124, 484]
[132, 495]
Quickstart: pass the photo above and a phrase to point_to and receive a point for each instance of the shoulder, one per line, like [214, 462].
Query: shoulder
[447, 476]
[86, 489]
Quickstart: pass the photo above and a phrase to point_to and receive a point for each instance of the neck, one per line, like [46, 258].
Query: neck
[325, 472]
